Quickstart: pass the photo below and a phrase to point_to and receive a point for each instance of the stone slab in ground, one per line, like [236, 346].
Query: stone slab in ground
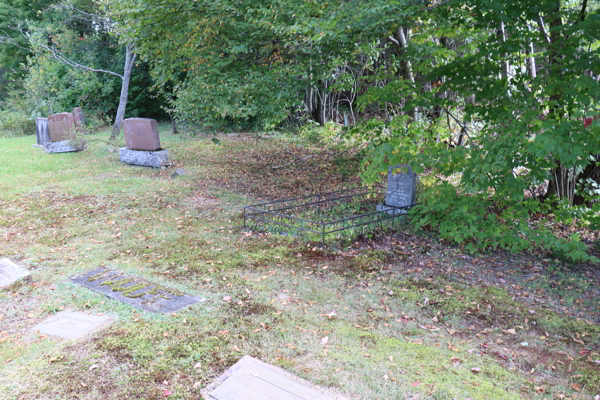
[71, 324]
[64, 146]
[155, 159]
[253, 379]
[10, 272]
[136, 291]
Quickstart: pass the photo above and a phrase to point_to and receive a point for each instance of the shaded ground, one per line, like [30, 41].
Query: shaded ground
[394, 315]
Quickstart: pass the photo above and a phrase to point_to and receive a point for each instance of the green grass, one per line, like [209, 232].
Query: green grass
[64, 214]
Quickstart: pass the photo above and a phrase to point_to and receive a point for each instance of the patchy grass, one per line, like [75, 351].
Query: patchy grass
[396, 316]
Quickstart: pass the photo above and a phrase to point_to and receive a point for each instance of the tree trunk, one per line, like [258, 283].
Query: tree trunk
[129, 62]
[173, 125]
[531, 60]
[403, 42]
[505, 65]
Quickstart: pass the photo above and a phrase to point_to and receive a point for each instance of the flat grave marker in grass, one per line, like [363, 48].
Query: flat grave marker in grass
[252, 379]
[136, 291]
[71, 324]
[10, 272]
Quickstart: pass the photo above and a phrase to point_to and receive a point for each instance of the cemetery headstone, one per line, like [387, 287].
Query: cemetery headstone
[138, 292]
[70, 324]
[61, 130]
[252, 379]
[141, 134]
[401, 189]
[143, 144]
[10, 272]
[42, 136]
[78, 117]
[61, 127]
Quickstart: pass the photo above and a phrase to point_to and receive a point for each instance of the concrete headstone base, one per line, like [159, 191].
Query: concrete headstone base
[390, 210]
[155, 159]
[64, 146]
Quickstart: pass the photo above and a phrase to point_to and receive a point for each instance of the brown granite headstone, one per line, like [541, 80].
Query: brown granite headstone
[78, 116]
[61, 127]
[141, 134]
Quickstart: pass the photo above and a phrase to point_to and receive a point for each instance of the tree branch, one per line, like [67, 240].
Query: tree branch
[73, 64]
[542, 29]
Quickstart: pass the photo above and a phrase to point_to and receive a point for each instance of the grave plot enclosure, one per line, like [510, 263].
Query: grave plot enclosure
[340, 213]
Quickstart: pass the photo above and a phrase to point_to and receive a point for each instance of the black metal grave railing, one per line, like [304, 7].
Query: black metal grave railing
[319, 215]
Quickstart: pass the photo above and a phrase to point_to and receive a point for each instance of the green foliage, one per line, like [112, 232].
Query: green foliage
[15, 123]
[483, 222]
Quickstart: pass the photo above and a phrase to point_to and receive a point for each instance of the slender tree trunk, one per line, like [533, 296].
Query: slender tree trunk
[531, 60]
[129, 63]
[403, 43]
[505, 64]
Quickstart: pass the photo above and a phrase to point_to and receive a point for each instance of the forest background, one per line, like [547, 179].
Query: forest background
[494, 100]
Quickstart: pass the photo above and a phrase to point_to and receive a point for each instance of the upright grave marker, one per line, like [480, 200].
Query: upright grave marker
[42, 136]
[401, 189]
[10, 272]
[71, 325]
[78, 117]
[61, 129]
[143, 143]
[252, 379]
[136, 291]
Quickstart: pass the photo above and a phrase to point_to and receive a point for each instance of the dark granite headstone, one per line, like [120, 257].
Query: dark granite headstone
[402, 186]
[78, 117]
[251, 379]
[136, 291]
[42, 136]
[141, 134]
[61, 127]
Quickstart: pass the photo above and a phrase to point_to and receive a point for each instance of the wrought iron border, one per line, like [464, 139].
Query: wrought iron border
[262, 211]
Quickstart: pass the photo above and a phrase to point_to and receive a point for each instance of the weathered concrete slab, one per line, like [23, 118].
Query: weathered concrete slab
[251, 379]
[155, 159]
[78, 117]
[141, 134]
[64, 146]
[136, 291]
[42, 136]
[71, 325]
[61, 127]
[10, 272]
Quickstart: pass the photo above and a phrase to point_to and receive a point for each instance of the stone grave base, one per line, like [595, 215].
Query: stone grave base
[390, 210]
[155, 159]
[64, 146]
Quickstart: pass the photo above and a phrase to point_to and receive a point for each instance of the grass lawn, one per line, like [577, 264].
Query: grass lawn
[390, 316]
